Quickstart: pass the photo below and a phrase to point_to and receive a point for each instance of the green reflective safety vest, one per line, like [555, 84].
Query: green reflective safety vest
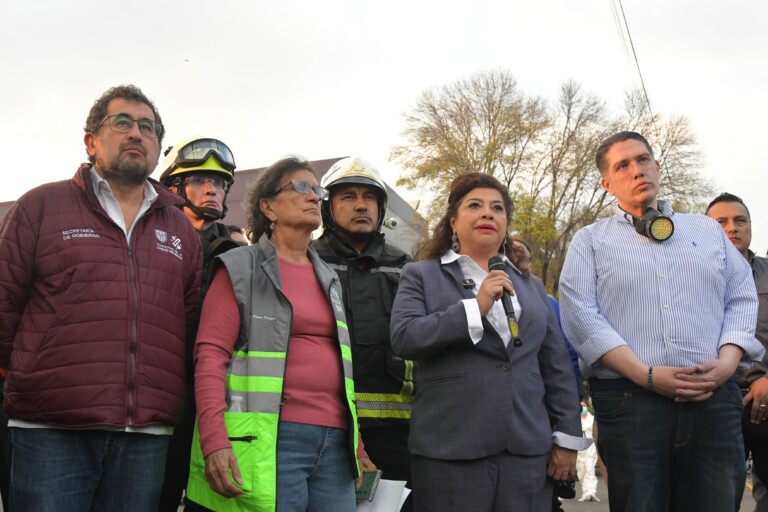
[255, 375]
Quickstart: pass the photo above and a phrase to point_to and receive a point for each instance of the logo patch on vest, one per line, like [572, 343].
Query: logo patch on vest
[174, 247]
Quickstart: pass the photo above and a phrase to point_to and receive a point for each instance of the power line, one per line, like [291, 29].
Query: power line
[637, 63]
[620, 30]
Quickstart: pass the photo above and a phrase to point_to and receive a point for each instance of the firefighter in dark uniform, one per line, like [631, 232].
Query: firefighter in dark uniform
[201, 171]
[369, 268]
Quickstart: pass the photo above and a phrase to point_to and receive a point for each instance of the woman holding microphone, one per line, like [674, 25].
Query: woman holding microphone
[497, 409]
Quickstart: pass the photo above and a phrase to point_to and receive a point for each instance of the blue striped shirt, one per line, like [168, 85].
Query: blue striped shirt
[674, 303]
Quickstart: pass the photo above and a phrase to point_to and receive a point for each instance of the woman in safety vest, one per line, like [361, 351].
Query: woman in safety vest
[277, 426]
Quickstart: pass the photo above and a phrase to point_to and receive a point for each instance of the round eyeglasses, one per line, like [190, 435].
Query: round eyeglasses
[122, 123]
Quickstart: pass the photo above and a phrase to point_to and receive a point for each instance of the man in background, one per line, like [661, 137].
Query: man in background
[733, 216]
[369, 268]
[201, 171]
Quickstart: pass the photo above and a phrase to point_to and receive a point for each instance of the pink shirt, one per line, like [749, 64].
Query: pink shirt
[314, 382]
[314, 377]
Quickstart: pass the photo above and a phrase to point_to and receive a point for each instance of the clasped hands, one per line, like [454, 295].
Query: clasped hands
[695, 383]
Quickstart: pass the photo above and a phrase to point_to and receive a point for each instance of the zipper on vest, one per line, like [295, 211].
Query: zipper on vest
[132, 348]
[245, 439]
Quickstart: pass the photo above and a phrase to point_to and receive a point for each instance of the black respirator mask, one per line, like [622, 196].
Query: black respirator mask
[654, 225]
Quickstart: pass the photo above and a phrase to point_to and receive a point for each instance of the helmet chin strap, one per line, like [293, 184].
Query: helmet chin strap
[206, 213]
[203, 213]
[356, 237]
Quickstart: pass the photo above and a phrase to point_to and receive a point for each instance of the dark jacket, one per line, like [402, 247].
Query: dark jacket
[479, 400]
[91, 326]
[760, 273]
[216, 240]
[383, 381]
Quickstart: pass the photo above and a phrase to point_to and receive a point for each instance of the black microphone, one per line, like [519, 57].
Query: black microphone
[497, 263]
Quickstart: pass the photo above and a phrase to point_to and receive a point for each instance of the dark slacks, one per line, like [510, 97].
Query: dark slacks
[756, 443]
[664, 455]
[388, 449]
[177, 463]
[499, 483]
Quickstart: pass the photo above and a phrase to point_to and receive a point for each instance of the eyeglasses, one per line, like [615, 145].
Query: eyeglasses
[198, 151]
[122, 123]
[219, 183]
[304, 188]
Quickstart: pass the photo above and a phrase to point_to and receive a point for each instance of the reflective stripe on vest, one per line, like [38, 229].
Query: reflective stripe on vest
[257, 376]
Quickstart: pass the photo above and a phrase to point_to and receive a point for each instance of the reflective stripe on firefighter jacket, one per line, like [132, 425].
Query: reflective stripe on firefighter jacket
[383, 382]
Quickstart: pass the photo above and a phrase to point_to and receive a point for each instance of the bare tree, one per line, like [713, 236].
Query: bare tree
[564, 191]
[482, 124]
[674, 144]
[543, 152]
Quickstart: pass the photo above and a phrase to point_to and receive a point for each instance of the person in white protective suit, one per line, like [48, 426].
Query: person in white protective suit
[586, 459]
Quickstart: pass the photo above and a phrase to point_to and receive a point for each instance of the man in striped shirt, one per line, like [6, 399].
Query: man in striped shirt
[660, 323]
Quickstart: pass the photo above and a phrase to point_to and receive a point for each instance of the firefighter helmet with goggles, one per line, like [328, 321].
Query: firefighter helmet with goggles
[352, 170]
[197, 155]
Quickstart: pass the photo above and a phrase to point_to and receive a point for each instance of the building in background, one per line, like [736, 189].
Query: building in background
[409, 228]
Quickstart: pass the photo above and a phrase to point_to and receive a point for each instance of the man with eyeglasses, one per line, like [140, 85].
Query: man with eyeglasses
[201, 171]
[369, 268]
[100, 275]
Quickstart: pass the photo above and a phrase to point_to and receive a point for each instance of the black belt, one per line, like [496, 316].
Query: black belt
[606, 384]
[621, 383]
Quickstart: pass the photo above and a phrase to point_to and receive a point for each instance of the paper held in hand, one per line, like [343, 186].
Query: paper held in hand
[390, 496]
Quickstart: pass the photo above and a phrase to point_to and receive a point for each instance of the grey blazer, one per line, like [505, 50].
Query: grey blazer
[479, 400]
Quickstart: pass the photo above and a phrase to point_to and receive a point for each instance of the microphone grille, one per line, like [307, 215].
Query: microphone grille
[496, 263]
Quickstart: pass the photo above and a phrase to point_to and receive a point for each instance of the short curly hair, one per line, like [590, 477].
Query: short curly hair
[127, 92]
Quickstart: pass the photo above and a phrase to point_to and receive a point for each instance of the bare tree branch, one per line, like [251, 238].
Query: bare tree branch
[543, 152]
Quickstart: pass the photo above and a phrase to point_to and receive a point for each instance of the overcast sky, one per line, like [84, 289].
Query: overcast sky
[332, 78]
